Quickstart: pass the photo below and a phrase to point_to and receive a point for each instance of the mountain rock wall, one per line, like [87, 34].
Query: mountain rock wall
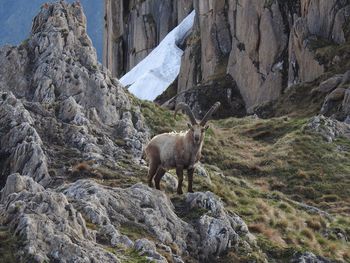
[264, 46]
[134, 28]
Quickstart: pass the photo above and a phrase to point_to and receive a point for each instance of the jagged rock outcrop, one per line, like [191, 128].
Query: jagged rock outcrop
[328, 128]
[336, 102]
[151, 210]
[55, 95]
[50, 227]
[218, 230]
[134, 28]
[309, 257]
[263, 46]
[52, 222]
[20, 143]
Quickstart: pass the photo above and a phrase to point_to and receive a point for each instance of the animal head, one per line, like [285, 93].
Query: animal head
[197, 129]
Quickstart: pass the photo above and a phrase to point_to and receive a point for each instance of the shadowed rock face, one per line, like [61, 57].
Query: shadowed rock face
[265, 46]
[134, 28]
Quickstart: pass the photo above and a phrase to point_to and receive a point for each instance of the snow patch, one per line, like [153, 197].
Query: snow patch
[159, 69]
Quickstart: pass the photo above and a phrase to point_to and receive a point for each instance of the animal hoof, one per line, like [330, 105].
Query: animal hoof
[150, 184]
[190, 191]
[179, 191]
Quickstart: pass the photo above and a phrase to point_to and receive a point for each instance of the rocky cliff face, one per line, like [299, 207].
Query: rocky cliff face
[263, 46]
[134, 28]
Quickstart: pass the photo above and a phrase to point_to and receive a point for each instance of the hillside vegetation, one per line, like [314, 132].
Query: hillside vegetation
[289, 184]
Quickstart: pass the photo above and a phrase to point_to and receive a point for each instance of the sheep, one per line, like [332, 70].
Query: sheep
[177, 150]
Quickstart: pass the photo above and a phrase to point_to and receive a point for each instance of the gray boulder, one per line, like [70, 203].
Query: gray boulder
[49, 226]
[328, 128]
[309, 257]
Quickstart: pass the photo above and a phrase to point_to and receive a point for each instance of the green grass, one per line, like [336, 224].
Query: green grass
[132, 256]
[159, 119]
[127, 255]
[282, 154]
[134, 231]
[279, 223]
[259, 168]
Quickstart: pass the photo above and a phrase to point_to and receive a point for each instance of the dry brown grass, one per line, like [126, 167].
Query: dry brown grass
[82, 166]
[282, 224]
[314, 223]
[276, 154]
[346, 255]
[268, 232]
[306, 232]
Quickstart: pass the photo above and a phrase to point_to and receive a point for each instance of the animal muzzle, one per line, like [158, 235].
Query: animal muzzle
[196, 138]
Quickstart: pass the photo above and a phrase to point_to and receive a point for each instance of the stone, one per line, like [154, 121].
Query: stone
[170, 181]
[154, 209]
[200, 170]
[218, 229]
[328, 128]
[329, 84]
[21, 141]
[202, 97]
[308, 257]
[346, 78]
[148, 248]
[136, 204]
[16, 183]
[346, 103]
[48, 225]
[332, 100]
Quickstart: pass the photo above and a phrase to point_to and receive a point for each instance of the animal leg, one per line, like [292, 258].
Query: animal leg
[153, 167]
[190, 179]
[179, 173]
[158, 177]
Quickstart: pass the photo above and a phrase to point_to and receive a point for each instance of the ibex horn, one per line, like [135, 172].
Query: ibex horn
[187, 109]
[209, 113]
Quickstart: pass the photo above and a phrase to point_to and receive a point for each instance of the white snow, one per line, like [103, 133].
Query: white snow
[159, 69]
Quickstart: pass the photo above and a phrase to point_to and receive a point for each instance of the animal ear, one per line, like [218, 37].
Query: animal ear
[205, 128]
[189, 125]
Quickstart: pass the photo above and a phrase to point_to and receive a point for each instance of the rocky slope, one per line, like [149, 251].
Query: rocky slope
[275, 43]
[73, 182]
[69, 132]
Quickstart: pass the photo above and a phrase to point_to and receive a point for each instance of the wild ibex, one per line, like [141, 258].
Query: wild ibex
[177, 150]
